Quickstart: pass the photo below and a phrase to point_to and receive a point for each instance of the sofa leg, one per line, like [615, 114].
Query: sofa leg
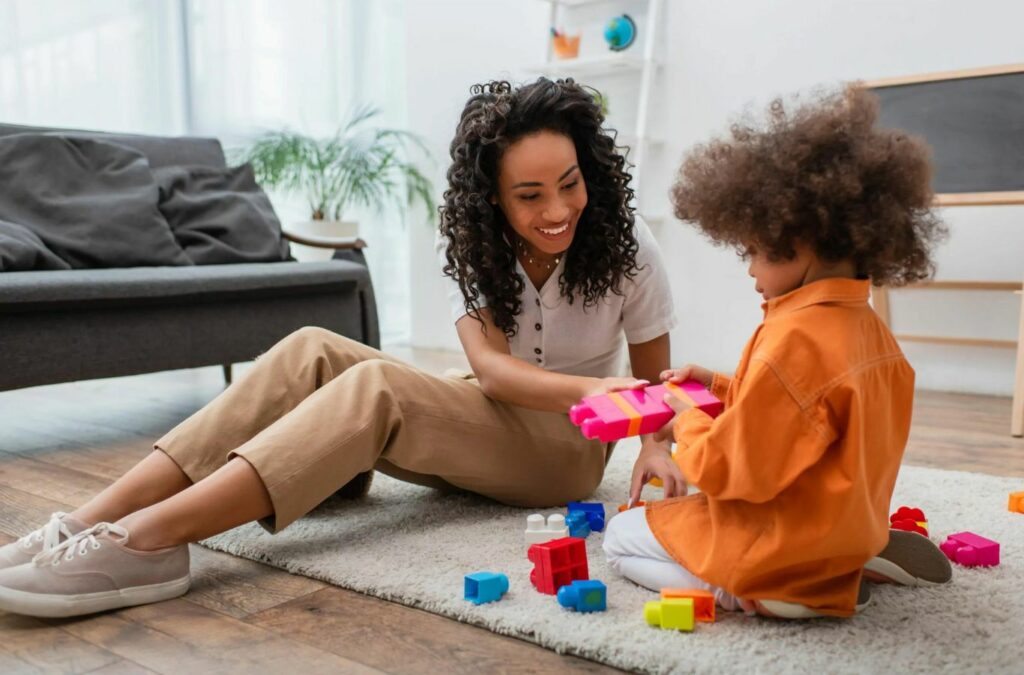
[227, 373]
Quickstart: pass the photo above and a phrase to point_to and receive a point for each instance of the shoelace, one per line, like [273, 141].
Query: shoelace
[49, 534]
[80, 544]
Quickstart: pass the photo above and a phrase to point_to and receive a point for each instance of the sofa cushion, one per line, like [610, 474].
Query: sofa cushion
[21, 249]
[93, 203]
[220, 215]
[30, 291]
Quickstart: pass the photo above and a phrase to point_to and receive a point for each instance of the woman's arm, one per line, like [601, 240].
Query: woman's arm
[649, 359]
[505, 378]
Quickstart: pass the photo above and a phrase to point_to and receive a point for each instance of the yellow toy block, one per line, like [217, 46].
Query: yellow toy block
[703, 601]
[1017, 502]
[671, 613]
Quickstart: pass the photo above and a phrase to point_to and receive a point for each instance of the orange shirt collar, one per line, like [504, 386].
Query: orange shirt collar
[846, 291]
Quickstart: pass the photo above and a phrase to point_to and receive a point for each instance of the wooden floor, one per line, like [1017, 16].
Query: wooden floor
[61, 444]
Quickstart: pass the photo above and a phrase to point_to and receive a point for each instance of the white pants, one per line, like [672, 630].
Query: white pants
[634, 552]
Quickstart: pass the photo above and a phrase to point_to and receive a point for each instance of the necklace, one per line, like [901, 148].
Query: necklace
[545, 266]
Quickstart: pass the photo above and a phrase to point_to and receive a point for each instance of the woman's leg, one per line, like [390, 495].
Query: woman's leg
[198, 447]
[403, 421]
[633, 551]
[198, 512]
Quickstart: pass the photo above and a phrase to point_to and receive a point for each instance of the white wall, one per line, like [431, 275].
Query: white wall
[719, 58]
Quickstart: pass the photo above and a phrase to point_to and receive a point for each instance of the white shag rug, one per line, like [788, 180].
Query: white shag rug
[411, 545]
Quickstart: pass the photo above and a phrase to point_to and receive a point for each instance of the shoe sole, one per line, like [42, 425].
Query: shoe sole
[910, 559]
[790, 610]
[58, 606]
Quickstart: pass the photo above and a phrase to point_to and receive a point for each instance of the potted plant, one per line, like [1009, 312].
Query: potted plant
[360, 166]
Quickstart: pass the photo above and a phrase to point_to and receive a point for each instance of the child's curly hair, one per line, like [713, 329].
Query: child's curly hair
[823, 176]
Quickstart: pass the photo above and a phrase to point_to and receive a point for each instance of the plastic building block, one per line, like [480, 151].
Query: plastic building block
[610, 417]
[485, 587]
[558, 563]
[971, 550]
[637, 504]
[578, 525]
[910, 520]
[674, 613]
[539, 531]
[703, 601]
[1017, 502]
[594, 511]
[584, 596]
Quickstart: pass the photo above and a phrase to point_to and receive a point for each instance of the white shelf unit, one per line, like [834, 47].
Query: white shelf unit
[644, 64]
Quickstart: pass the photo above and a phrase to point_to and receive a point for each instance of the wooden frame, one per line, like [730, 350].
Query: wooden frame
[960, 198]
[880, 296]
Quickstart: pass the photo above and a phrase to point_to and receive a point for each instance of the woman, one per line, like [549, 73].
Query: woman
[549, 277]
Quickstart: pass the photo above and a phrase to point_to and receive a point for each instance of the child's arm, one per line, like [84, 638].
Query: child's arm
[718, 383]
[757, 447]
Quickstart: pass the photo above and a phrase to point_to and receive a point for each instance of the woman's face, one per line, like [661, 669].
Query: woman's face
[541, 190]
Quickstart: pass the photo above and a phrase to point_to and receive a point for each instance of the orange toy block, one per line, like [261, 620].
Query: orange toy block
[703, 601]
[625, 507]
[1017, 502]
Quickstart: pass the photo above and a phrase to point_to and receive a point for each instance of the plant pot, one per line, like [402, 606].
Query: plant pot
[321, 228]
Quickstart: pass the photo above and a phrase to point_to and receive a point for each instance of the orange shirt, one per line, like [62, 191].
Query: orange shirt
[797, 473]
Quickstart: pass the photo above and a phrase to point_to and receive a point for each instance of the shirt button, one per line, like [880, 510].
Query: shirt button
[537, 326]
[536, 350]
[540, 360]
[537, 301]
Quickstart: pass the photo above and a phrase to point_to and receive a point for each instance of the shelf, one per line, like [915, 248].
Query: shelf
[610, 64]
[576, 3]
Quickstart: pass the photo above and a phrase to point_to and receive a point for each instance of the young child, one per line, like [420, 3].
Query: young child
[797, 473]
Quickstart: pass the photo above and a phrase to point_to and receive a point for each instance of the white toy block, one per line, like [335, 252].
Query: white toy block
[538, 531]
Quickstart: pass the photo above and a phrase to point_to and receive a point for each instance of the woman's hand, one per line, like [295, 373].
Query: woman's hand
[655, 461]
[688, 372]
[607, 385]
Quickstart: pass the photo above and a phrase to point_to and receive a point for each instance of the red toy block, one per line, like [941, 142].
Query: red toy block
[703, 601]
[971, 550]
[558, 563]
[1017, 502]
[910, 520]
[611, 417]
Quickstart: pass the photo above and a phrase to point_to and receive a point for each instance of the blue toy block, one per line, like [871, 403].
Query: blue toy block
[484, 587]
[594, 511]
[578, 525]
[584, 596]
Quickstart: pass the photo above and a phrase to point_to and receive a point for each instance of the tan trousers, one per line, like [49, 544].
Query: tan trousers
[318, 408]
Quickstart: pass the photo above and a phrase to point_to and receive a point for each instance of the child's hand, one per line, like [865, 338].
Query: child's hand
[680, 406]
[688, 372]
[655, 460]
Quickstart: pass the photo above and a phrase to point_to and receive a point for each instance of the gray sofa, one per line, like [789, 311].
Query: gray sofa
[65, 325]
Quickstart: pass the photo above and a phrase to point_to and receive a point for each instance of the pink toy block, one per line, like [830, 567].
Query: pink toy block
[614, 416]
[971, 550]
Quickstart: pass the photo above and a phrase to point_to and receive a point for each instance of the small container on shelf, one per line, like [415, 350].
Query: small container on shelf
[565, 46]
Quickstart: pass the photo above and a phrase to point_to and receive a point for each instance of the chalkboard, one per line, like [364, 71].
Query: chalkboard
[974, 124]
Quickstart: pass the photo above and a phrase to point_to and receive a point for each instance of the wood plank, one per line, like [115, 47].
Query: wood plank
[239, 587]
[961, 341]
[178, 636]
[950, 285]
[985, 71]
[24, 512]
[1006, 198]
[50, 481]
[32, 646]
[121, 667]
[344, 622]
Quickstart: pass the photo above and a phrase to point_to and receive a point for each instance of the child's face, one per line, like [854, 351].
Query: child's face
[775, 278]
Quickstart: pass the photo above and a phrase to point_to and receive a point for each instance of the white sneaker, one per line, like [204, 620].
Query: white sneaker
[94, 571]
[59, 528]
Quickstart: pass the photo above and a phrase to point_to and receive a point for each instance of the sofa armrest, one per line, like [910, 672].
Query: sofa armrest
[325, 242]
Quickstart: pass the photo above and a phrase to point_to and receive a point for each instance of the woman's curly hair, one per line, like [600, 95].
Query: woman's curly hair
[823, 176]
[480, 242]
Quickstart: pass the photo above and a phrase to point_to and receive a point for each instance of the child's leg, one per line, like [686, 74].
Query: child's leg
[633, 551]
